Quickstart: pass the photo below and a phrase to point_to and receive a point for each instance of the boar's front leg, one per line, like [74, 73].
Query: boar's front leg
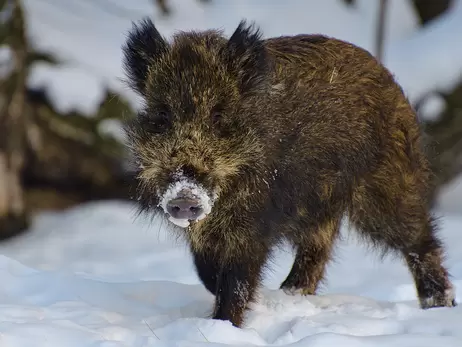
[207, 270]
[236, 287]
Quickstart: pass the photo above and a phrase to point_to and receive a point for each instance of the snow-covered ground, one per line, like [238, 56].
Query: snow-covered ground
[95, 277]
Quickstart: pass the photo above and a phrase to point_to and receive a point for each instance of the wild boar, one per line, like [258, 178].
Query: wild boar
[244, 142]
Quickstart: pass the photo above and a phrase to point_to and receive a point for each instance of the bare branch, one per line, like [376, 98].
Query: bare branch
[380, 38]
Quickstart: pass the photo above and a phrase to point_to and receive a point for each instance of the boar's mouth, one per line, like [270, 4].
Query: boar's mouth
[185, 201]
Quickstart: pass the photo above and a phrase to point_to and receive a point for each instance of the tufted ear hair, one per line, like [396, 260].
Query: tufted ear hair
[143, 46]
[247, 57]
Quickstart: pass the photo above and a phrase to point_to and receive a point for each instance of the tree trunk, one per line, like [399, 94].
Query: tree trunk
[380, 34]
[13, 215]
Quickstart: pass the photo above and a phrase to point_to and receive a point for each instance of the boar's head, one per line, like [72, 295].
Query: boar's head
[192, 136]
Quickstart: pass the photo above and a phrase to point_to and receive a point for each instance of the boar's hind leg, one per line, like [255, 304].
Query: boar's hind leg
[207, 270]
[398, 220]
[314, 251]
[236, 286]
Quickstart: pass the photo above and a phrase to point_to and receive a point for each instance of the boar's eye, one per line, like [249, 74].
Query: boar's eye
[216, 117]
[163, 116]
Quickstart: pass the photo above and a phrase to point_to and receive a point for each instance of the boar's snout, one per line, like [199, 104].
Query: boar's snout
[186, 201]
[184, 208]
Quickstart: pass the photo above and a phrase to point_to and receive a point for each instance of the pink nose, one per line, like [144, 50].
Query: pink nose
[184, 208]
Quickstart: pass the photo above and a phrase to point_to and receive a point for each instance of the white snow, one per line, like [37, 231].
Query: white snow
[112, 127]
[94, 276]
[431, 58]
[6, 61]
[70, 88]
[432, 107]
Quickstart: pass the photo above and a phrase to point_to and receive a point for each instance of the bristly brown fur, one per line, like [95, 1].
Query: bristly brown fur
[292, 133]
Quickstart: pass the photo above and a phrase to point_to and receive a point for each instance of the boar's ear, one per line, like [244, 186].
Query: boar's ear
[143, 46]
[246, 56]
